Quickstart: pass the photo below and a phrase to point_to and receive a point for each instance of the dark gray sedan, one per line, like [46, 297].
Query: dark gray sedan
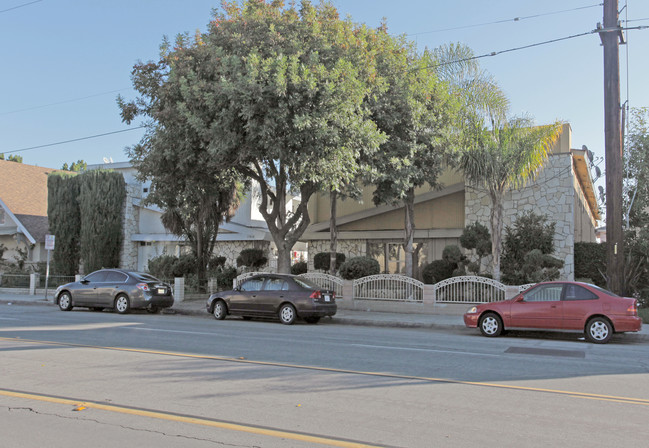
[275, 295]
[117, 289]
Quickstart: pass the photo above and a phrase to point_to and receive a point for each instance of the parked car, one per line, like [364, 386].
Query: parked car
[117, 289]
[567, 306]
[287, 297]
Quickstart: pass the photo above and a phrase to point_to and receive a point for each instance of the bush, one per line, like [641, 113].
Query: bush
[322, 260]
[225, 277]
[168, 266]
[252, 258]
[216, 262]
[437, 270]
[299, 268]
[359, 267]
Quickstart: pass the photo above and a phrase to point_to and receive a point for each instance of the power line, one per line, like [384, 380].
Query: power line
[515, 19]
[524, 47]
[20, 6]
[61, 102]
[70, 141]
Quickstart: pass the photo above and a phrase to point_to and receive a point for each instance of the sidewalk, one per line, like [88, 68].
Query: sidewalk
[344, 317]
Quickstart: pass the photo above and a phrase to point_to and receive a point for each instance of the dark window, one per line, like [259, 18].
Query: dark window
[544, 293]
[95, 277]
[276, 284]
[115, 277]
[253, 284]
[576, 292]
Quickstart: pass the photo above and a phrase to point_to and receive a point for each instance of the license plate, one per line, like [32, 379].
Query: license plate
[161, 291]
[327, 298]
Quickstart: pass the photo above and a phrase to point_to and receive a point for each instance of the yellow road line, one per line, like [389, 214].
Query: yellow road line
[191, 420]
[628, 400]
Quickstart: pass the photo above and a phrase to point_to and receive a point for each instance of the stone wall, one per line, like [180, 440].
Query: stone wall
[552, 194]
[351, 248]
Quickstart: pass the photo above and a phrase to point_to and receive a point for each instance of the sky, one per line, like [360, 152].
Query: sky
[65, 61]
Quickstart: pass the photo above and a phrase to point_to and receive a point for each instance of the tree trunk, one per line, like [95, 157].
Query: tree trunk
[409, 204]
[284, 259]
[333, 232]
[496, 221]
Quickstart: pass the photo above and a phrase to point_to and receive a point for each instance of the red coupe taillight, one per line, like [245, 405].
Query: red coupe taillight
[633, 309]
[315, 295]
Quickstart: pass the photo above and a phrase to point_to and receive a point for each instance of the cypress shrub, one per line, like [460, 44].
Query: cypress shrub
[64, 222]
[101, 202]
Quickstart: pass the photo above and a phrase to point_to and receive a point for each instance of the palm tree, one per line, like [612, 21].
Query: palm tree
[504, 158]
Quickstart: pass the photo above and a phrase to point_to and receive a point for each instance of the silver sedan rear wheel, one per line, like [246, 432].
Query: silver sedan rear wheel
[599, 330]
[287, 314]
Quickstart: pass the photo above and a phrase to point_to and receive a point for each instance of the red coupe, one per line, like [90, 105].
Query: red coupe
[567, 306]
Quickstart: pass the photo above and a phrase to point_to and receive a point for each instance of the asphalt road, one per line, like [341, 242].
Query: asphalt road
[103, 379]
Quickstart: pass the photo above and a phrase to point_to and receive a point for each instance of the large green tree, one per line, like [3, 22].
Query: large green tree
[416, 114]
[194, 189]
[276, 93]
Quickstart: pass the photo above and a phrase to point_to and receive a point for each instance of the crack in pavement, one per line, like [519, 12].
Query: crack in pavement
[18, 408]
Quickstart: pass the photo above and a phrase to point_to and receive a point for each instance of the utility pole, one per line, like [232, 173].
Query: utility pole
[611, 36]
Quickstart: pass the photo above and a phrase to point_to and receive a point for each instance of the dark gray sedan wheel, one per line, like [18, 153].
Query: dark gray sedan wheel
[219, 310]
[599, 330]
[287, 314]
[65, 301]
[122, 304]
[491, 325]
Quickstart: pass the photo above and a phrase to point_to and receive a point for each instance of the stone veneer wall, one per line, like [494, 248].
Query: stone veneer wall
[130, 219]
[552, 194]
[351, 248]
[231, 249]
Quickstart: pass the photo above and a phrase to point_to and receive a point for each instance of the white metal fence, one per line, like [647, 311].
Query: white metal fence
[390, 287]
[326, 281]
[469, 289]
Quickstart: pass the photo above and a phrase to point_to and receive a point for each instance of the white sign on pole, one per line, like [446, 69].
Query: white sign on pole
[49, 242]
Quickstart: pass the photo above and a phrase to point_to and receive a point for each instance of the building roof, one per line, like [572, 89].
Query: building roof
[23, 189]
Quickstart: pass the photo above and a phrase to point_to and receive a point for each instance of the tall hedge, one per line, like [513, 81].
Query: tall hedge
[64, 222]
[590, 262]
[101, 202]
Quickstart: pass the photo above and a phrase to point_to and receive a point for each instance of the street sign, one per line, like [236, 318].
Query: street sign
[49, 242]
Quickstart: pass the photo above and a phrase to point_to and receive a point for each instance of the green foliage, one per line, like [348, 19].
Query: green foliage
[252, 258]
[225, 276]
[322, 260]
[358, 267]
[216, 262]
[64, 219]
[476, 236]
[262, 84]
[12, 158]
[77, 166]
[636, 168]
[451, 264]
[169, 266]
[298, 268]
[436, 271]
[590, 262]
[101, 201]
[527, 249]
